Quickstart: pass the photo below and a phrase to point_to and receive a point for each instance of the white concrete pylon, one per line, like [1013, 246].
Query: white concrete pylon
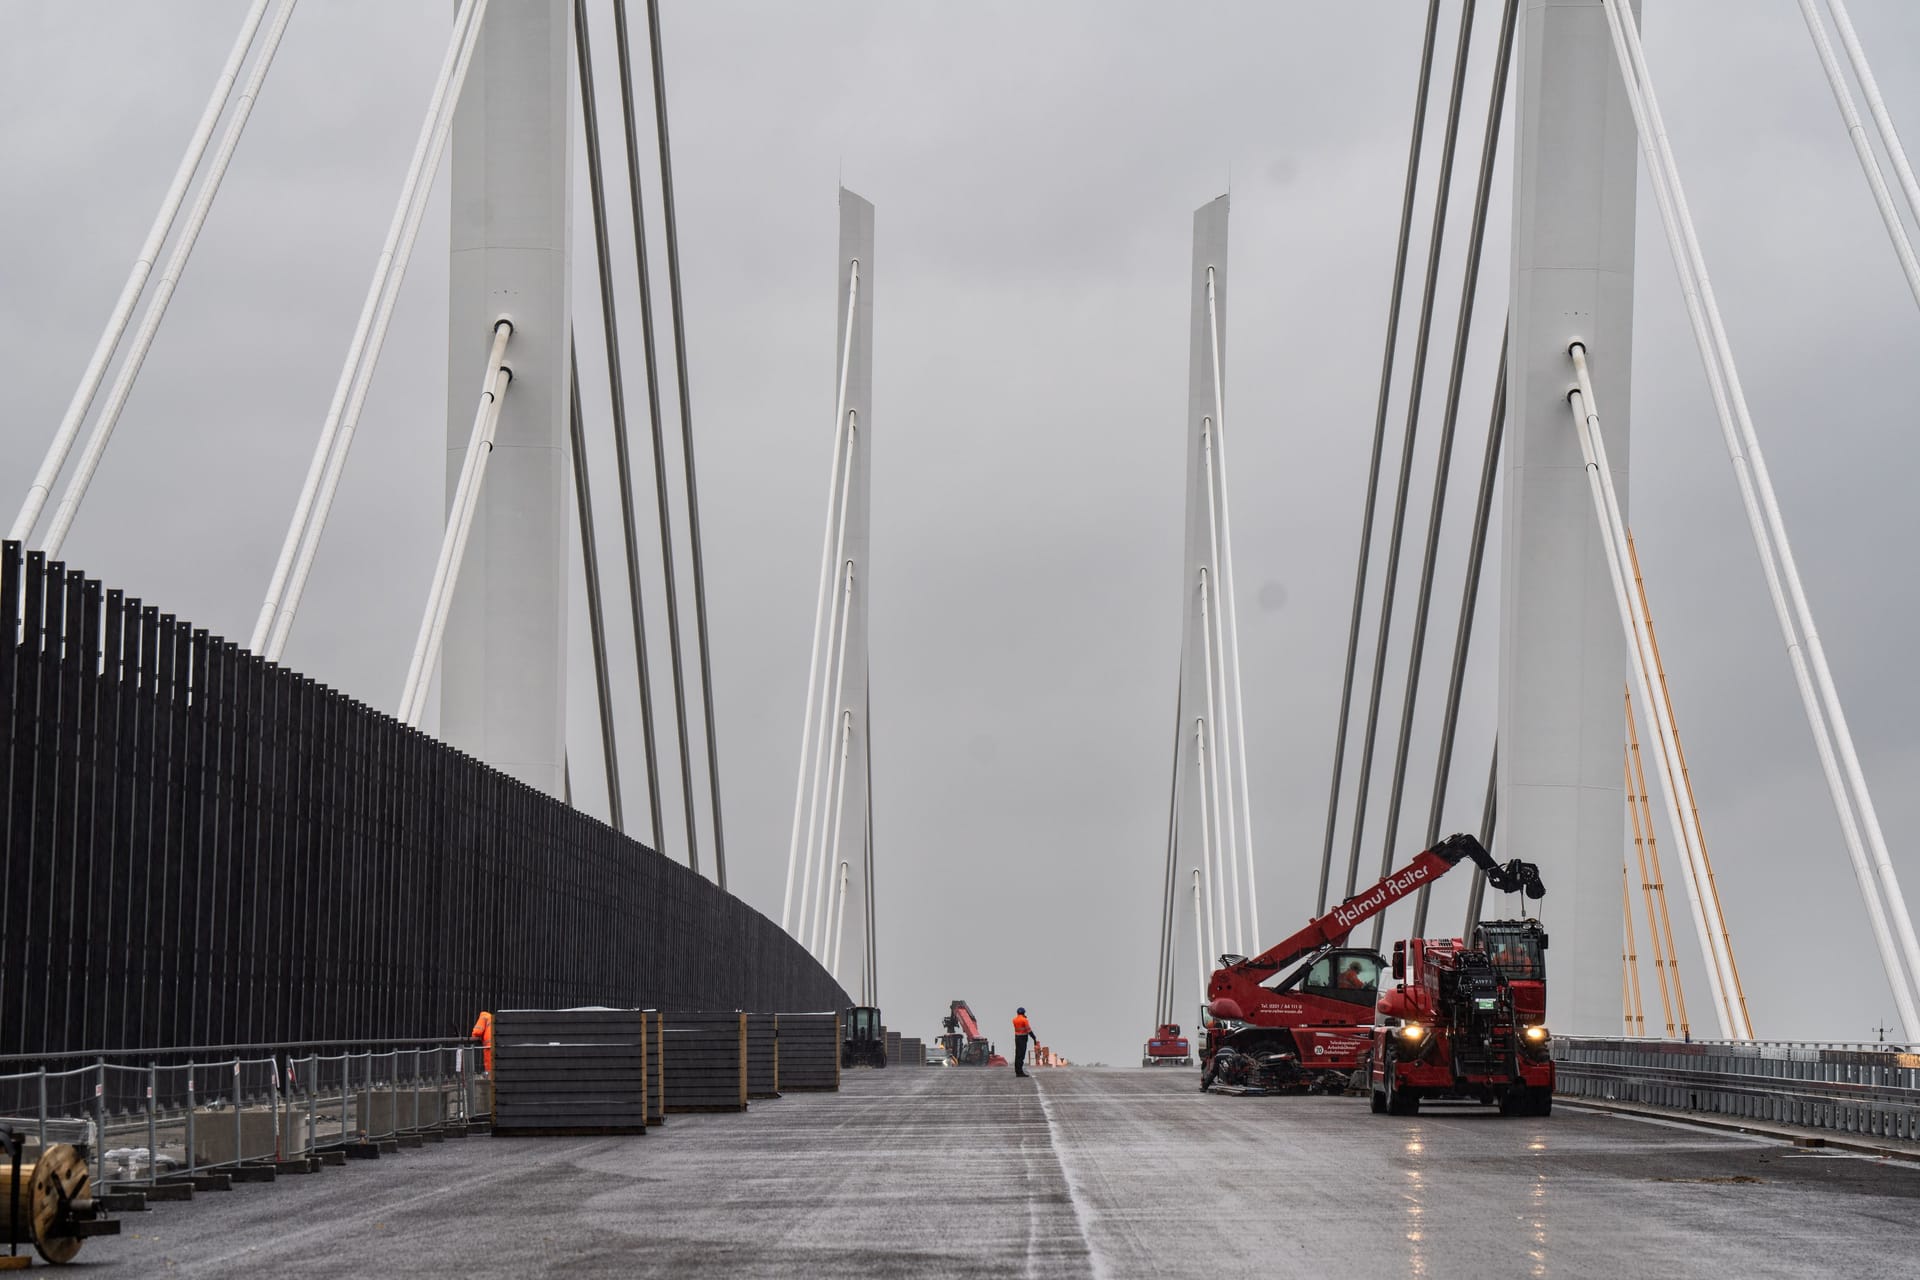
[1218, 812]
[503, 670]
[1559, 791]
[831, 801]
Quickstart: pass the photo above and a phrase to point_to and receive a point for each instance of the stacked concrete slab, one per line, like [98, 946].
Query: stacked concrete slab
[913, 1052]
[570, 1071]
[809, 1052]
[893, 1047]
[763, 1055]
[703, 1056]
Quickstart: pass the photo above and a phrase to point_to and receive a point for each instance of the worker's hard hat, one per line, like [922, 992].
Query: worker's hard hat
[1021, 1009]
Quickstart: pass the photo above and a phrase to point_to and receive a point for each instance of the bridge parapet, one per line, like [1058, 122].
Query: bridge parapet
[1863, 1089]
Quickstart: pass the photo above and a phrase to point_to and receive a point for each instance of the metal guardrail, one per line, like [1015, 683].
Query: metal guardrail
[210, 1108]
[1847, 1088]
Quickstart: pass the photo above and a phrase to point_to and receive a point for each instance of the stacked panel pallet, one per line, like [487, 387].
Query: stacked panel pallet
[913, 1052]
[809, 1052]
[656, 1078]
[763, 1055]
[569, 1071]
[893, 1048]
[704, 1059]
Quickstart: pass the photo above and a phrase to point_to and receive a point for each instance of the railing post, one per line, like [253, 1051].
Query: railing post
[153, 1127]
[193, 1153]
[237, 1137]
[43, 1108]
[100, 1123]
[313, 1100]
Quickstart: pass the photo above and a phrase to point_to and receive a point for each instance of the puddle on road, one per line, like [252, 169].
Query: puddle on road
[1724, 1178]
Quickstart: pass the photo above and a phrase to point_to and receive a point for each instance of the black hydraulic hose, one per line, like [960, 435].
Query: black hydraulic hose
[1463, 630]
[1456, 375]
[1379, 439]
[623, 462]
[638, 207]
[686, 435]
[596, 616]
[1489, 811]
[1415, 387]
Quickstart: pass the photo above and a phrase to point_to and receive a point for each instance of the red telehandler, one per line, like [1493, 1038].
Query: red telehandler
[1307, 1030]
[963, 1041]
[1467, 1019]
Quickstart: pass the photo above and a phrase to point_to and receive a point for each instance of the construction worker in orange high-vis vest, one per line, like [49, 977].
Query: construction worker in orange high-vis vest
[483, 1032]
[1022, 1033]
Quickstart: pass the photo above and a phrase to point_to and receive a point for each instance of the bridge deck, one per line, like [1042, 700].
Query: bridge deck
[1121, 1173]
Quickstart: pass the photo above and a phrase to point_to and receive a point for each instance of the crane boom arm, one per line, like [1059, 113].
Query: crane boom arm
[1426, 867]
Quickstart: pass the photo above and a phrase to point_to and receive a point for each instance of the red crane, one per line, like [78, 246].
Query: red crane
[964, 1041]
[1310, 1029]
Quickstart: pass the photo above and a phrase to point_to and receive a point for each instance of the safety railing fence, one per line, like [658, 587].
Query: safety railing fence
[147, 1117]
[1866, 1089]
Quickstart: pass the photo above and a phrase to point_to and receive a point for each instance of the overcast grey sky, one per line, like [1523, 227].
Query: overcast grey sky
[1034, 169]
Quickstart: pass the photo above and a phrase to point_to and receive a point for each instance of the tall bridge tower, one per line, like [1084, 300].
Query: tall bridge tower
[503, 688]
[1562, 655]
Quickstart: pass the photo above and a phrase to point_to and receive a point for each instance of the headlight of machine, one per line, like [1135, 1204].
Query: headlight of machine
[1538, 1035]
[1412, 1033]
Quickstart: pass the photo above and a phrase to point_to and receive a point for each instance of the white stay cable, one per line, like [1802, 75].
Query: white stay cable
[96, 371]
[103, 426]
[1199, 939]
[477, 444]
[839, 922]
[1230, 611]
[363, 375]
[1231, 926]
[823, 916]
[1583, 415]
[835, 489]
[832, 661]
[1877, 105]
[463, 25]
[1209, 858]
[1862, 149]
[1217, 672]
[822, 777]
[1613, 528]
[459, 528]
[1750, 470]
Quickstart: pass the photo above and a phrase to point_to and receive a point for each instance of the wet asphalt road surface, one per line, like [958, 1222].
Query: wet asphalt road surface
[962, 1172]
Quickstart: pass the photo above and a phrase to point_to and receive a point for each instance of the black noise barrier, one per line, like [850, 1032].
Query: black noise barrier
[201, 848]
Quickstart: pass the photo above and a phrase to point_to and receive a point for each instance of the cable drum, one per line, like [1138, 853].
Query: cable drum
[49, 1204]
